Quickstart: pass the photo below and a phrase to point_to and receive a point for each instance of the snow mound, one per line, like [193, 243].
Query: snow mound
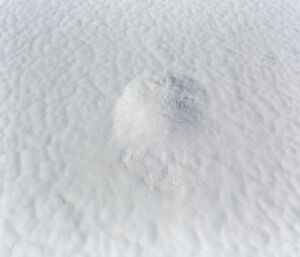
[162, 112]
[159, 125]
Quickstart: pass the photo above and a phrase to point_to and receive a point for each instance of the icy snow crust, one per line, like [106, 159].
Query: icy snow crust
[149, 128]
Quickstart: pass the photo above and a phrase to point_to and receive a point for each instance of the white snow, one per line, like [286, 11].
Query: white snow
[157, 113]
[149, 128]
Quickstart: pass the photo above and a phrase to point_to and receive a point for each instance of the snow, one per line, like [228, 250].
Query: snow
[154, 113]
[152, 128]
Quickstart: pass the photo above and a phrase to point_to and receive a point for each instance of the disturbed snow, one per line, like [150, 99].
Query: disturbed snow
[158, 128]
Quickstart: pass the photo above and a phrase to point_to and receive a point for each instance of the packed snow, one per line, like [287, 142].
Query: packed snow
[149, 128]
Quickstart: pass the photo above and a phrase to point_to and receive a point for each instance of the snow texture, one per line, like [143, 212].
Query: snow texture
[149, 128]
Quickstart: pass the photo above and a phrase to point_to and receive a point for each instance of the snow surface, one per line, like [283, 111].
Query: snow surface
[149, 128]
